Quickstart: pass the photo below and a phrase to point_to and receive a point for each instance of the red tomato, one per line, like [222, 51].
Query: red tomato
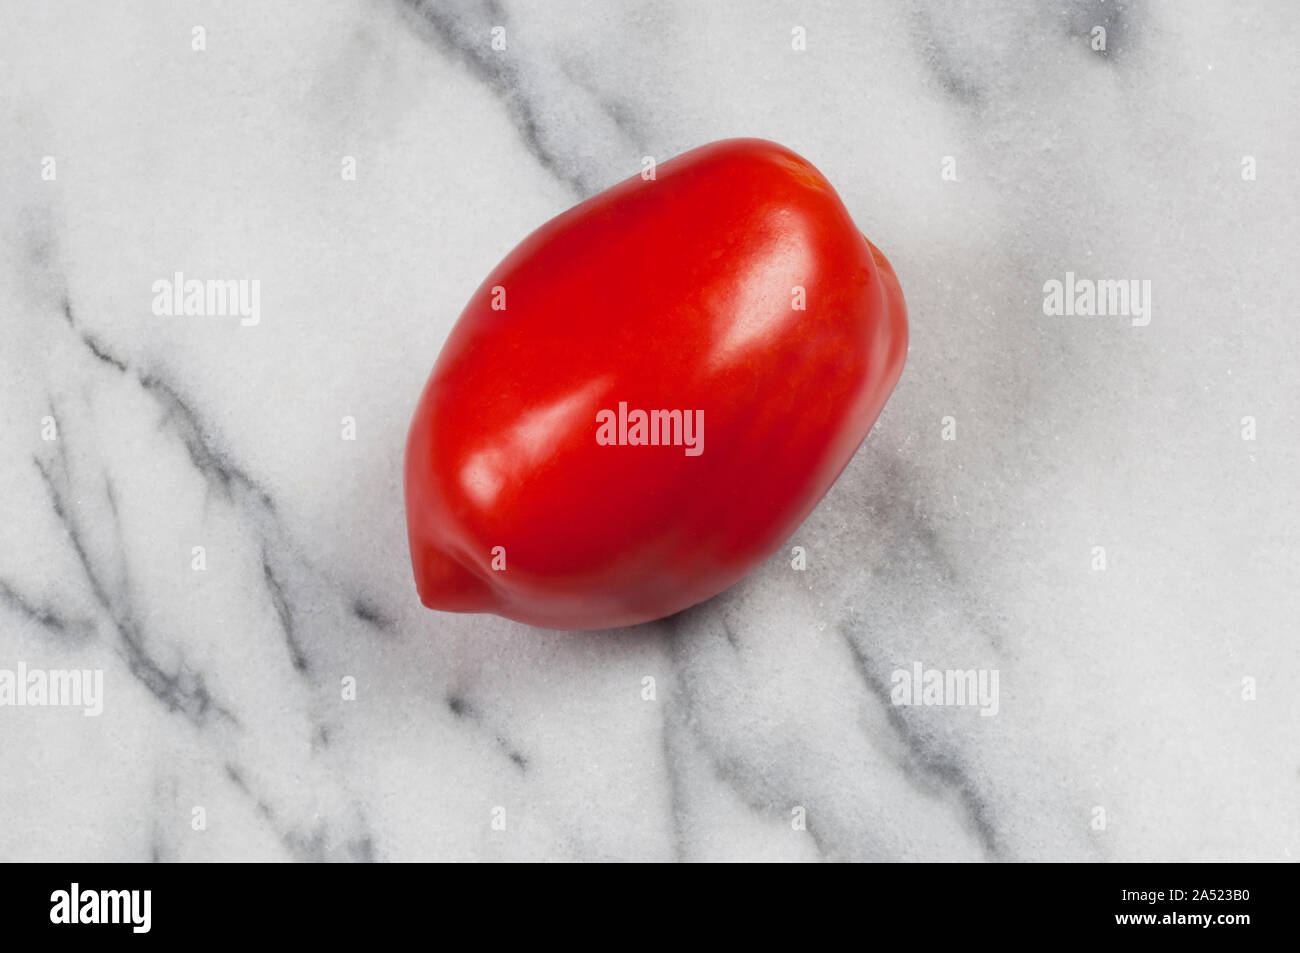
[734, 288]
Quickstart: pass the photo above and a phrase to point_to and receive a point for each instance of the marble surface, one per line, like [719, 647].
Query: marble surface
[225, 732]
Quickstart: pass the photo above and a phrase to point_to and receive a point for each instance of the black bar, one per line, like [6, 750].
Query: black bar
[247, 901]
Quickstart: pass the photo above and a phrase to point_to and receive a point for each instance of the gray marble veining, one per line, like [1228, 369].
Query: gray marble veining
[183, 510]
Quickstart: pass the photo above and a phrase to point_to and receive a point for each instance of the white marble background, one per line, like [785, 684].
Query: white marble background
[1120, 689]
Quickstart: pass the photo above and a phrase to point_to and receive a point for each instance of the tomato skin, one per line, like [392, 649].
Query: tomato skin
[671, 293]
